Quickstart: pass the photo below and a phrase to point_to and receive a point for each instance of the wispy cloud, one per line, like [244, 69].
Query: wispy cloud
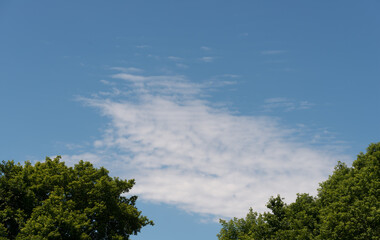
[161, 84]
[272, 52]
[204, 48]
[285, 104]
[106, 82]
[175, 59]
[143, 46]
[206, 160]
[222, 80]
[207, 59]
[156, 57]
[129, 69]
[228, 75]
[181, 65]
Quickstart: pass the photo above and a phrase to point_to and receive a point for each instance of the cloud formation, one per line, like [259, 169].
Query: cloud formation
[202, 159]
[207, 59]
[181, 65]
[285, 104]
[175, 59]
[204, 48]
[129, 69]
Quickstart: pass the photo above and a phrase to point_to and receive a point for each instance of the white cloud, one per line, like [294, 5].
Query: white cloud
[113, 92]
[181, 65]
[155, 57]
[169, 85]
[207, 59]
[222, 80]
[143, 46]
[204, 48]
[106, 82]
[202, 159]
[128, 70]
[230, 75]
[285, 104]
[175, 59]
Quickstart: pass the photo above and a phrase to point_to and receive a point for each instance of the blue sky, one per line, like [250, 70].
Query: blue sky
[212, 106]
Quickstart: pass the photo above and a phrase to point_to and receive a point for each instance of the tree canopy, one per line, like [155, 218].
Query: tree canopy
[52, 201]
[347, 207]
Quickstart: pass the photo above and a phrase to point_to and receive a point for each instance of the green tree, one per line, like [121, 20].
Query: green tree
[52, 201]
[347, 207]
[243, 229]
[350, 204]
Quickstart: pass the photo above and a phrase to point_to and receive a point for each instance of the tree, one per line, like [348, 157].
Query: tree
[347, 207]
[350, 199]
[294, 221]
[243, 229]
[52, 201]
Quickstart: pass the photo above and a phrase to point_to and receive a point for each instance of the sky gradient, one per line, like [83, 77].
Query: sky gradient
[212, 106]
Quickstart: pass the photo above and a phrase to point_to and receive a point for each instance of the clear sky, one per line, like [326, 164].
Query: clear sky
[212, 106]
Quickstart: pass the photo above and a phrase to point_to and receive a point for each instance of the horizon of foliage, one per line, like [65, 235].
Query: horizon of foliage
[52, 201]
[347, 207]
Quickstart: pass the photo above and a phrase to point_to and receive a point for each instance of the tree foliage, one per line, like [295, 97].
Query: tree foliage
[52, 201]
[347, 207]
